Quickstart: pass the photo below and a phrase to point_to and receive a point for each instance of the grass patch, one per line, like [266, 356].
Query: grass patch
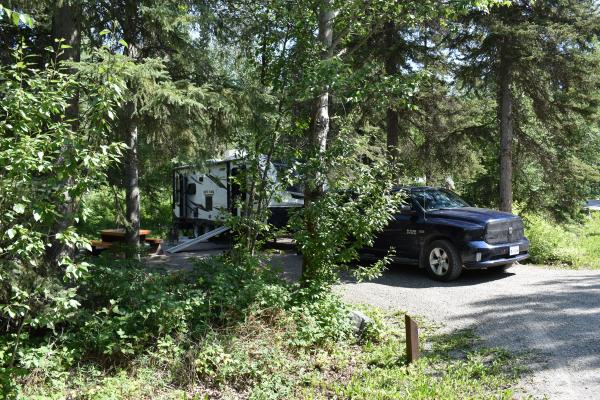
[451, 367]
[575, 245]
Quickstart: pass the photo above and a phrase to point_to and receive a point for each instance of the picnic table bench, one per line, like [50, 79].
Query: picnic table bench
[109, 237]
[118, 235]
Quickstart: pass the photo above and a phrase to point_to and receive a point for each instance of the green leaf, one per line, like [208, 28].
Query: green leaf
[123, 42]
[74, 303]
[19, 208]
[11, 233]
[104, 32]
[15, 18]
[27, 20]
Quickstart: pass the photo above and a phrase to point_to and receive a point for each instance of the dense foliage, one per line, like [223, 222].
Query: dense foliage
[128, 311]
[236, 330]
[100, 99]
[44, 164]
[575, 245]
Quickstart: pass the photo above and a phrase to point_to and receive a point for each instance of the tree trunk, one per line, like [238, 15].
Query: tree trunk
[132, 184]
[131, 162]
[505, 107]
[66, 25]
[317, 136]
[320, 131]
[393, 128]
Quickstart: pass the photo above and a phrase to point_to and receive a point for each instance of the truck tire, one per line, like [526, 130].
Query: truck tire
[442, 261]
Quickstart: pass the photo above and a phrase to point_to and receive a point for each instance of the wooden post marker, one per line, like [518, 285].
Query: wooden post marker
[412, 339]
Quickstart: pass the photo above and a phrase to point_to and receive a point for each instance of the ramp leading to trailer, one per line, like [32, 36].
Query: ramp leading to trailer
[202, 238]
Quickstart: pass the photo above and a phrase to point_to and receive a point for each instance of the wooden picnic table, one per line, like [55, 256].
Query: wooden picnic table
[118, 235]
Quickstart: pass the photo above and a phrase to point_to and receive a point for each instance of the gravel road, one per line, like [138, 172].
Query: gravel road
[554, 313]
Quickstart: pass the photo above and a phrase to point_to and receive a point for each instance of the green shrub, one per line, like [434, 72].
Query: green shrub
[547, 240]
[46, 166]
[229, 326]
[127, 309]
[224, 323]
[320, 317]
[237, 289]
[572, 244]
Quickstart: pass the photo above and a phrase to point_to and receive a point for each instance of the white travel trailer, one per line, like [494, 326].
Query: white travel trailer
[204, 197]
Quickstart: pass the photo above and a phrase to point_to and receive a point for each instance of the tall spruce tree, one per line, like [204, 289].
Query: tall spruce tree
[166, 97]
[536, 57]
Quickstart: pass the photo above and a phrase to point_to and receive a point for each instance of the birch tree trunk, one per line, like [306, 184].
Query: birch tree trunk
[320, 131]
[505, 107]
[317, 136]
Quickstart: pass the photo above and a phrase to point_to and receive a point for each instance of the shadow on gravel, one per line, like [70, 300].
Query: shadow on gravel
[559, 317]
[397, 275]
[411, 276]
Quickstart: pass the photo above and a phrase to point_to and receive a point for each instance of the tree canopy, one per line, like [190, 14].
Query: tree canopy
[101, 99]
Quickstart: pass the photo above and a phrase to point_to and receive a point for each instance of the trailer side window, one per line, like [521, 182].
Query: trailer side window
[208, 203]
[191, 188]
[176, 190]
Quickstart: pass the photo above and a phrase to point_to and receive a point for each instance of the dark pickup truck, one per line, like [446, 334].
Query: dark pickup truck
[441, 233]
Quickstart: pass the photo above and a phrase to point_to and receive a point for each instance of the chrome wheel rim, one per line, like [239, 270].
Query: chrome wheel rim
[438, 261]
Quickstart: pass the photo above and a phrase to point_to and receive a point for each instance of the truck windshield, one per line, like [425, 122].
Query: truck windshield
[436, 199]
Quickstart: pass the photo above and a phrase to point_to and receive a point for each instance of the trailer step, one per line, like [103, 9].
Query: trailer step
[201, 238]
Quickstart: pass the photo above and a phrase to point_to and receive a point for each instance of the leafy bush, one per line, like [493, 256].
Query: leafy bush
[547, 240]
[320, 317]
[193, 324]
[359, 202]
[46, 163]
[128, 309]
[572, 244]
[125, 309]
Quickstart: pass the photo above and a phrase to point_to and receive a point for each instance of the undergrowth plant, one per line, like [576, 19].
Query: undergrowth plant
[574, 244]
[223, 325]
[44, 165]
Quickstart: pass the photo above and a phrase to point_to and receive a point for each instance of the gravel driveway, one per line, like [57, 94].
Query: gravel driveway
[553, 312]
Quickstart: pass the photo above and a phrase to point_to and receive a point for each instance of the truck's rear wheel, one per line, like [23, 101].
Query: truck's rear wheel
[442, 261]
